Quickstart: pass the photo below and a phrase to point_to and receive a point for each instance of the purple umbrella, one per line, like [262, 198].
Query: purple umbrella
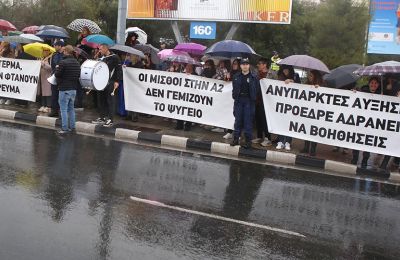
[379, 69]
[191, 48]
[305, 62]
[185, 60]
[170, 53]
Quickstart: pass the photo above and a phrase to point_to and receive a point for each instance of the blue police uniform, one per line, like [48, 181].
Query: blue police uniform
[244, 93]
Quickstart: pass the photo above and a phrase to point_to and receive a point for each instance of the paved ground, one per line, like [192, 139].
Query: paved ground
[159, 125]
[70, 198]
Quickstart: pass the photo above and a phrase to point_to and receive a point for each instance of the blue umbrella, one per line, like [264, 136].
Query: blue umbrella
[100, 39]
[231, 49]
[52, 33]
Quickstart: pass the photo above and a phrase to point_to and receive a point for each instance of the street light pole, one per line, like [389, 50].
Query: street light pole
[121, 25]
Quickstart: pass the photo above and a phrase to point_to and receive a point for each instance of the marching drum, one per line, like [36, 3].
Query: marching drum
[94, 75]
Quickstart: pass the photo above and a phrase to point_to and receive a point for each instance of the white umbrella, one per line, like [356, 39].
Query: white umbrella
[142, 34]
[32, 37]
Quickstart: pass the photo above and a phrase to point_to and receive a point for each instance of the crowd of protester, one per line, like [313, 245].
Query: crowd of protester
[248, 103]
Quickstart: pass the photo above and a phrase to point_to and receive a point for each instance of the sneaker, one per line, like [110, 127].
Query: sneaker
[41, 109]
[62, 132]
[2, 101]
[256, 141]
[228, 136]
[99, 121]
[79, 109]
[266, 142]
[46, 110]
[108, 123]
[8, 102]
[280, 146]
[287, 146]
[217, 130]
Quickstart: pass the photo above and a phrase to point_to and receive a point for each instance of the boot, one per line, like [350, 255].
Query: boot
[247, 145]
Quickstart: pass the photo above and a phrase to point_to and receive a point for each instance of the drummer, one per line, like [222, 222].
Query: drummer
[105, 98]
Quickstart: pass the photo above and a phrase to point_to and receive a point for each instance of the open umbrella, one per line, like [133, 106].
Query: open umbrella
[231, 49]
[31, 29]
[191, 48]
[170, 53]
[150, 49]
[52, 27]
[16, 39]
[379, 69]
[184, 60]
[31, 37]
[36, 49]
[14, 33]
[305, 62]
[90, 44]
[78, 25]
[127, 49]
[142, 34]
[52, 33]
[81, 52]
[6, 26]
[99, 39]
[342, 76]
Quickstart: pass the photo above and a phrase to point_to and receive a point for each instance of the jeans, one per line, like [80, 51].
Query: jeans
[66, 100]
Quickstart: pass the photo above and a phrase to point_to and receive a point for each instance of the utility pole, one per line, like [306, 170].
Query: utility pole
[121, 25]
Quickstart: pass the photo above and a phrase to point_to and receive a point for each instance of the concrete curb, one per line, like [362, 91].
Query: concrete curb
[208, 146]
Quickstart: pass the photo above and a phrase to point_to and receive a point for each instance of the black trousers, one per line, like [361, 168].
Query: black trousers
[356, 154]
[261, 122]
[309, 147]
[106, 102]
[79, 96]
[54, 99]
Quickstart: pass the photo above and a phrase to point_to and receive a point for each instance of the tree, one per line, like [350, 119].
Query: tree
[338, 32]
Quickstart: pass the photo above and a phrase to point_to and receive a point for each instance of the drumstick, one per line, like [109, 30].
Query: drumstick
[112, 94]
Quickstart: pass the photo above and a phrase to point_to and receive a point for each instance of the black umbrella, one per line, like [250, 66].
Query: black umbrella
[52, 27]
[342, 76]
[148, 48]
[231, 49]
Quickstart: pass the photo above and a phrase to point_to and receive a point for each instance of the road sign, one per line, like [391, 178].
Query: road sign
[203, 30]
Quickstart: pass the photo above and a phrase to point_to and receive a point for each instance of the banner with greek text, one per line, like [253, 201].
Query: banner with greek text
[179, 96]
[19, 78]
[355, 120]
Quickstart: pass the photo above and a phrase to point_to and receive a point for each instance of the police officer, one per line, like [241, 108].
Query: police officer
[245, 86]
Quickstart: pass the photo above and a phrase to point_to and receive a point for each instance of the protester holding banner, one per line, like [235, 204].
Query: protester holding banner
[45, 87]
[67, 73]
[373, 87]
[286, 73]
[6, 52]
[244, 91]
[314, 78]
[106, 98]
[263, 135]
[209, 70]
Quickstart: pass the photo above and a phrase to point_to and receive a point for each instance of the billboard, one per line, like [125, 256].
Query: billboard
[384, 28]
[251, 11]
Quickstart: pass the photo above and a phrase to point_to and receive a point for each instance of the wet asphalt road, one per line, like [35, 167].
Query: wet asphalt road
[69, 198]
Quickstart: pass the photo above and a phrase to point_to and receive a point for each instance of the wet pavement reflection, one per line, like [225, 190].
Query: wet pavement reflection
[68, 198]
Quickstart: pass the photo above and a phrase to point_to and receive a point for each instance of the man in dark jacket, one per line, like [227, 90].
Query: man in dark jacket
[106, 102]
[245, 86]
[67, 73]
[55, 59]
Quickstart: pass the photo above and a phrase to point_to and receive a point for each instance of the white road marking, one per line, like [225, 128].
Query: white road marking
[203, 214]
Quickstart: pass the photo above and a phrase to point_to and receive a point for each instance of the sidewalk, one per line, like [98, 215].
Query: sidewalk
[159, 126]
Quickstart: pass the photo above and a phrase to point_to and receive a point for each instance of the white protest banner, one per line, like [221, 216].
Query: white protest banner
[179, 96]
[355, 120]
[19, 78]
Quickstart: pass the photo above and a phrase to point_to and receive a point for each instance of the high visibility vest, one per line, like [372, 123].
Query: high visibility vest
[274, 63]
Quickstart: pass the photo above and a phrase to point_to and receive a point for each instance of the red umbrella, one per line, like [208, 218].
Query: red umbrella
[31, 29]
[6, 26]
[90, 44]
